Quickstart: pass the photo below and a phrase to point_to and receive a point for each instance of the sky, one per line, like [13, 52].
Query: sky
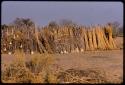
[41, 12]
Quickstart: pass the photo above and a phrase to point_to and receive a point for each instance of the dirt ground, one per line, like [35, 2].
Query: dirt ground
[110, 62]
[119, 42]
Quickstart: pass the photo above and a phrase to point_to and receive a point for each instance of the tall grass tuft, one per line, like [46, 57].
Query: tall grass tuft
[34, 71]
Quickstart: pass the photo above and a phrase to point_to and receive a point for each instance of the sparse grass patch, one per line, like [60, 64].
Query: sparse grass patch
[88, 76]
[37, 70]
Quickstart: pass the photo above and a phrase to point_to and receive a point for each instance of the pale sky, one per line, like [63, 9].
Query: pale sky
[42, 12]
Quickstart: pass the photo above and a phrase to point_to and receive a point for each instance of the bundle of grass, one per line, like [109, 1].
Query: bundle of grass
[86, 39]
[90, 40]
[105, 43]
[108, 30]
[94, 39]
[56, 38]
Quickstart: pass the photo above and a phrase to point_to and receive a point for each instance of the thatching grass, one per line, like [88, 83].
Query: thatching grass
[60, 40]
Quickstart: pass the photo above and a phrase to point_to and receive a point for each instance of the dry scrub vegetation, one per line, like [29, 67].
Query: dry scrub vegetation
[90, 76]
[37, 70]
[64, 68]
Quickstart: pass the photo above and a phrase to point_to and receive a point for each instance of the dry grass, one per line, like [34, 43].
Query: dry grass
[37, 70]
[88, 67]
[89, 76]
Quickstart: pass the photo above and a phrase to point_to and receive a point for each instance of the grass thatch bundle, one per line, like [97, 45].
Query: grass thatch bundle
[57, 39]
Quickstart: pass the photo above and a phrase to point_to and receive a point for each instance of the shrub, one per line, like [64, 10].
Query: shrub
[34, 71]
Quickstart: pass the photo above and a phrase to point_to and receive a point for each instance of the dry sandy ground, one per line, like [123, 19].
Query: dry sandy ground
[119, 42]
[111, 62]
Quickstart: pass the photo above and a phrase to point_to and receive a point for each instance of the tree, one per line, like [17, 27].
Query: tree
[66, 22]
[3, 26]
[25, 29]
[53, 24]
[21, 22]
[115, 26]
[120, 31]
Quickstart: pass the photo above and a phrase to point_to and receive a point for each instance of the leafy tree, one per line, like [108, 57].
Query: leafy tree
[20, 22]
[115, 26]
[3, 26]
[120, 32]
[66, 22]
[53, 24]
